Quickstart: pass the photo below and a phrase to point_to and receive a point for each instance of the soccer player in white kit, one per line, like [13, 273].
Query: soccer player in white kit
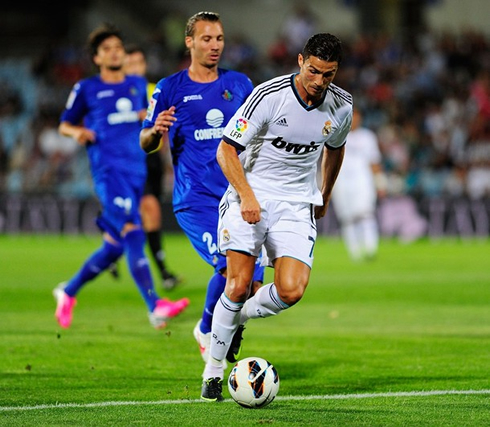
[281, 131]
[356, 191]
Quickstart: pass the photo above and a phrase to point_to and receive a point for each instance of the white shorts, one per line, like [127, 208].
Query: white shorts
[285, 229]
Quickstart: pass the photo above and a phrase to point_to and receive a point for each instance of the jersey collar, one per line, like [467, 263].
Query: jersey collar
[300, 100]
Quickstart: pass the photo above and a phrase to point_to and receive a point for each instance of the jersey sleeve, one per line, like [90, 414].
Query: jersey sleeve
[337, 140]
[76, 106]
[241, 82]
[247, 121]
[156, 104]
[248, 87]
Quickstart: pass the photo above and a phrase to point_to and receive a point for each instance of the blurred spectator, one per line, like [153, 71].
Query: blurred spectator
[478, 162]
[58, 152]
[298, 26]
[12, 117]
[3, 165]
[10, 102]
[52, 144]
[16, 169]
[241, 54]
[480, 96]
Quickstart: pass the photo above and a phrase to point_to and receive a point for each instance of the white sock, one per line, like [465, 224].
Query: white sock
[226, 318]
[213, 369]
[264, 303]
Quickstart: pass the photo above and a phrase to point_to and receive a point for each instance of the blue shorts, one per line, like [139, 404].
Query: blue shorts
[200, 224]
[120, 199]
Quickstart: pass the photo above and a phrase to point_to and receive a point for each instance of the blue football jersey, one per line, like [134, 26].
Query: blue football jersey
[111, 110]
[202, 111]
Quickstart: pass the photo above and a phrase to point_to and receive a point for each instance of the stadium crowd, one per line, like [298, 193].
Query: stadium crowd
[427, 99]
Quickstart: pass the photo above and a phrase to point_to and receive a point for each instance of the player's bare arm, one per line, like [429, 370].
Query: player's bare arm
[331, 163]
[232, 168]
[80, 134]
[152, 139]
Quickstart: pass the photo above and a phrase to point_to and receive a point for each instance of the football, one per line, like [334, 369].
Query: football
[253, 382]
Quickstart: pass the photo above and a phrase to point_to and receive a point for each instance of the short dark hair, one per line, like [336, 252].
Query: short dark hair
[200, 16]
[134, 48]
[97, 36]
[325, 46]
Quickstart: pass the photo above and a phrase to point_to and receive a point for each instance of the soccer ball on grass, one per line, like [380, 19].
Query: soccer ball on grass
[253, 382]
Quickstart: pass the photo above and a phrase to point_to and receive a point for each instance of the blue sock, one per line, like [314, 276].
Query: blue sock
[134, 243]
[216, 286]
[93, 266]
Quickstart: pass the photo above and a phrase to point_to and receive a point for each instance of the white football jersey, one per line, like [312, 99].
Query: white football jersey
[282, 138]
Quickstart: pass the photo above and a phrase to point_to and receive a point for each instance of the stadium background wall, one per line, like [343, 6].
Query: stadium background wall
[46, 214]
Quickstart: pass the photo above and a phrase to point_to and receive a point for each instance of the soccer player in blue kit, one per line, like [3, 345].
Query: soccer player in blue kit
[104, 113]
[189, 110]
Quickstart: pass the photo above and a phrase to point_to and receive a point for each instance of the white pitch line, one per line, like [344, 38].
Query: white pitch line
[387, 394]
[285, 398]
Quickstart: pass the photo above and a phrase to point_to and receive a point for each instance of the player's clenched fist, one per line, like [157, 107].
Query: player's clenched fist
[83, 136]
[250, 210]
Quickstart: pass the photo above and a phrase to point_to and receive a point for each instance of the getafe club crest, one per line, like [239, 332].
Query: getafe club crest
[227, 95]
[327, 128]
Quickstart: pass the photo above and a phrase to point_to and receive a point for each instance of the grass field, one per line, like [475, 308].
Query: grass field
[403, 340]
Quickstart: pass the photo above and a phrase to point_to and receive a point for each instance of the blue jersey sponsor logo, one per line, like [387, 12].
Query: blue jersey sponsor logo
[215, 119]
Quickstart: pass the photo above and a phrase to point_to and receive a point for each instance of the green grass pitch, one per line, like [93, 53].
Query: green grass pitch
[403, 340]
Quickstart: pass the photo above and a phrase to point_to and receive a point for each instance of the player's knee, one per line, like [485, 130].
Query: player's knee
[291, 297]
[238, 288]
[292, 291]
[128, 227]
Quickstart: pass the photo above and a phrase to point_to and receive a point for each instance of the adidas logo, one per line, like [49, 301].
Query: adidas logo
[282, 122]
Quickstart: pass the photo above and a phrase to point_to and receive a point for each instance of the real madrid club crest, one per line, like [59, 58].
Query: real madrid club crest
[327, 128]
[226, 235]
